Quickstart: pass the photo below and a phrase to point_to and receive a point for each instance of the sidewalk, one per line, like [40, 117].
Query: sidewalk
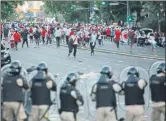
[146, 50]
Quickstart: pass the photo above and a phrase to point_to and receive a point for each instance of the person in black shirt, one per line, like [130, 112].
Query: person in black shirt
[24, 35]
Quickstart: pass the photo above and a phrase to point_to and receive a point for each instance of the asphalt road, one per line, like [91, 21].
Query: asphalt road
[59, 63]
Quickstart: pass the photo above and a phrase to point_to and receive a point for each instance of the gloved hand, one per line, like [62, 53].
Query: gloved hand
[20, 82]
[49, 84]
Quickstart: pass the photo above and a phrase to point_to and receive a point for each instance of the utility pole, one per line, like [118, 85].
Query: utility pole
[158, 17]
[128, 24]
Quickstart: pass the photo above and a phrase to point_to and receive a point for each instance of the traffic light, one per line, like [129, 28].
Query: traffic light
[130, 18]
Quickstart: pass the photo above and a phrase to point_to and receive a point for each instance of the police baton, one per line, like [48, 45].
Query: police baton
[52, 103]
[44, 115]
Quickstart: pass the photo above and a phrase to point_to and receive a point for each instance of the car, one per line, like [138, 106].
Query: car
[147, 30]
[150, 38]
[5, 56]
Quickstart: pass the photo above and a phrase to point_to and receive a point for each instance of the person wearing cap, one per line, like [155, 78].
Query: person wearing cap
[41, 84]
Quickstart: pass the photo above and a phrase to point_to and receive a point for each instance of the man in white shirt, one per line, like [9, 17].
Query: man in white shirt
[73, 44]
[93, 42]
[67, 32]
[58, 35]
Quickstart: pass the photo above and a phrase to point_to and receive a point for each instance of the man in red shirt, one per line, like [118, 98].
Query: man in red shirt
[117, 37]
[108, 32]
[17, 38]
[43, 34]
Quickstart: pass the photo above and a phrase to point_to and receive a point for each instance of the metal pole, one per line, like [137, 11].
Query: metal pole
[158, 21]
[127, 13]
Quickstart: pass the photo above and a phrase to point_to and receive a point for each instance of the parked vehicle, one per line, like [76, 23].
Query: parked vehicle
[5, 56]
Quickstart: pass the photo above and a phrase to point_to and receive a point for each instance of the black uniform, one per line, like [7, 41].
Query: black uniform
[133, 94]
[13, 95]
[40, 93]
[68, 103]
[11, 91]
[157, 86]
[105, 95]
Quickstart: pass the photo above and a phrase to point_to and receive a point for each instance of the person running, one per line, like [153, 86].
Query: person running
[24, 35]
[99, 38]
[73, 43]
[93, 42]
[131, 38]
[68, 30]
[48, 35]
[37, 37]
[17, 38]
[31, 34]
[43, 34]
[117, 37]
[58, 36]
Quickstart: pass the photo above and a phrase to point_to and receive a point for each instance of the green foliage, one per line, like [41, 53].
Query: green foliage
[8, 8]
[80, 10]
[68, 9]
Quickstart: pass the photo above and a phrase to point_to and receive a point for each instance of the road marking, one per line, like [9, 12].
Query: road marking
[120, 61]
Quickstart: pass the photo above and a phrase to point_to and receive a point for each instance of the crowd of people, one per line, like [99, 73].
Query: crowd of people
[86, 34]
[40, 82]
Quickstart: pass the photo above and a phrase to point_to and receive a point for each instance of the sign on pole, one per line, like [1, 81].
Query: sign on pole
[114, 4]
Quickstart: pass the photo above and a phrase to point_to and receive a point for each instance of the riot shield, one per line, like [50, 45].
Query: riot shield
[5, 69]
[153, 68]
[80, 85]
[90, 81]
[143, 74]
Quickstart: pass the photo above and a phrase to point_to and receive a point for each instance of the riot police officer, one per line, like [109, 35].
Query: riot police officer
[103, 92]
[70, 99]
[13, 83]
[157, 86]
[134, 91]
[41, 84]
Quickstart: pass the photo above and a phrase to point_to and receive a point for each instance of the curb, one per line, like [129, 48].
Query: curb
[124, 54]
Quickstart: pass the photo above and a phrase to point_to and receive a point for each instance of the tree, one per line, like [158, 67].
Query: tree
[69, 9]
[154, 8]
[8, 8]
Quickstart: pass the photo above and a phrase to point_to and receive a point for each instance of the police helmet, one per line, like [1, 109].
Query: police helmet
[107, 71]
[161, 68]
[72, 78]
[133, 71]
[15, 67]
[42, 67]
